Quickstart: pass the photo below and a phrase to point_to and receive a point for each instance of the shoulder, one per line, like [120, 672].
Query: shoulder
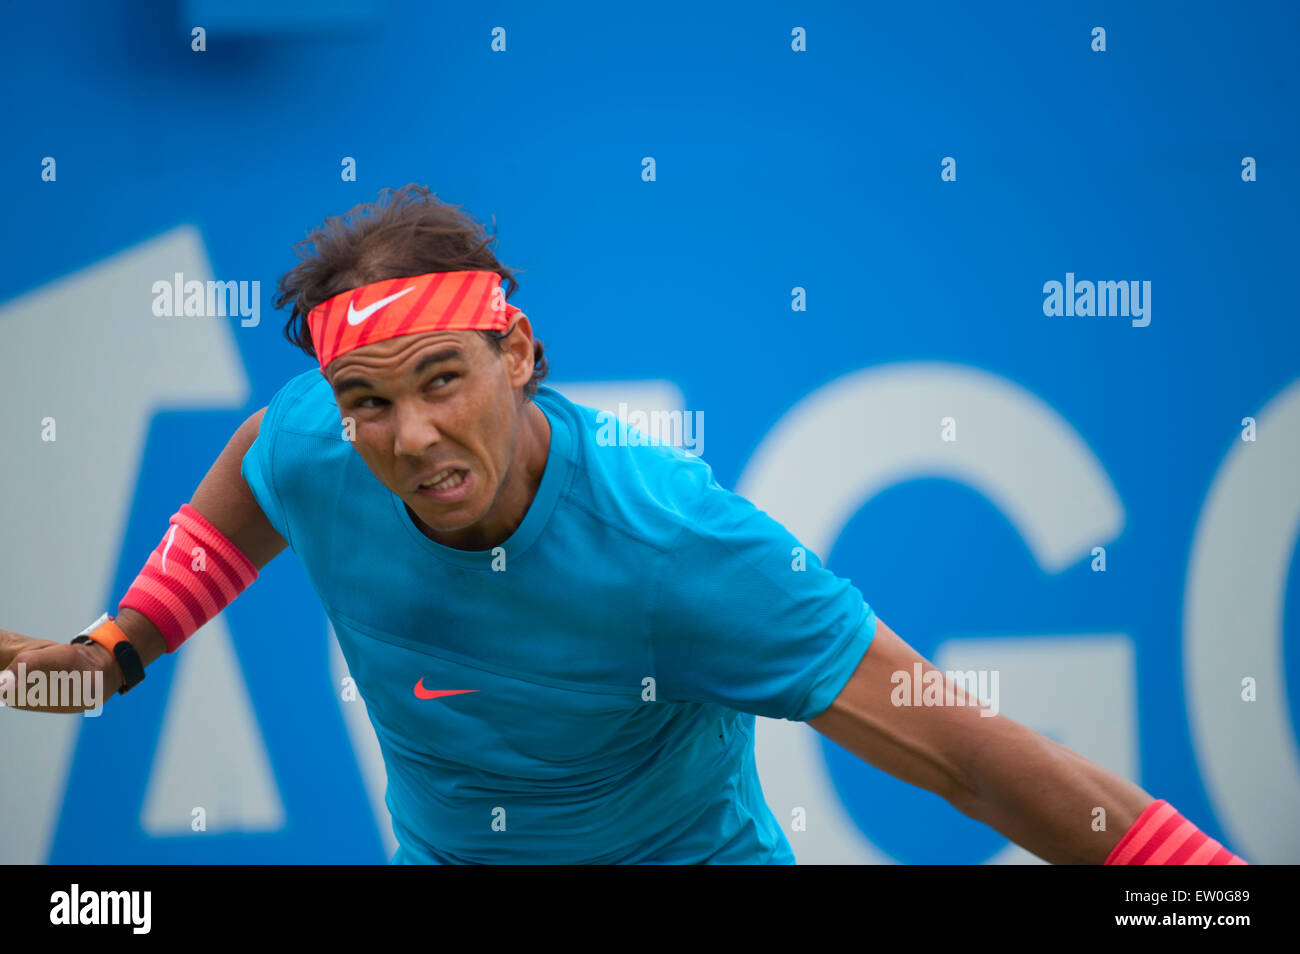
[301, 436]
[651, 490]
[304, 406]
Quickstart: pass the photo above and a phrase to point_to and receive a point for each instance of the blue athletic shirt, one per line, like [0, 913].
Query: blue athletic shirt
[642, 616]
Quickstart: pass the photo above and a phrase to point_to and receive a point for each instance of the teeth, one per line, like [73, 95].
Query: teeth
[444, 479]
[440, 475]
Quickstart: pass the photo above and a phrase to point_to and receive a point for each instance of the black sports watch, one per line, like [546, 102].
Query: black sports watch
[108, 634]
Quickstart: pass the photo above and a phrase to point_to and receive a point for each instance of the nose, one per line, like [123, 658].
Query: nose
[414, 430]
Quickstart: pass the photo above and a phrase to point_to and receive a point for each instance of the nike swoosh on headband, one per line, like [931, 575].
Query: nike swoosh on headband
[460, 300]
[356, 317]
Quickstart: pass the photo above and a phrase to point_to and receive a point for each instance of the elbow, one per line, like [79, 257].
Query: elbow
[962, 792]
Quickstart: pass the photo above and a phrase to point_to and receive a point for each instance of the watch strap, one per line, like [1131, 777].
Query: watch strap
[108, 634]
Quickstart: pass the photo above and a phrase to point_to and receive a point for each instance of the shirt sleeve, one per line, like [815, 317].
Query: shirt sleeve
[258, 469]
[747, 617]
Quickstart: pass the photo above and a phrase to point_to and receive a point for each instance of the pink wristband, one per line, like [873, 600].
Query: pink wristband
[191, 576]
[1161, 836]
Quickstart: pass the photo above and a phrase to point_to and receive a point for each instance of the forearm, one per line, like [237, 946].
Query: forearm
[225, 502]
[217, 545]
[1045, 797]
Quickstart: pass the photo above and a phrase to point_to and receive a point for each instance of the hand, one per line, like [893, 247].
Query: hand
[65, 673]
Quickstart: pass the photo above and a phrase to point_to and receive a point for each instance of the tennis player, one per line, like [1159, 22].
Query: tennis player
[562, 640]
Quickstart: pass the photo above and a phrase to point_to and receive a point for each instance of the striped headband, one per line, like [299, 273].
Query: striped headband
[438, 301]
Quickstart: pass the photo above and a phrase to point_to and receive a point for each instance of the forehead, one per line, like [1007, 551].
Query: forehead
[401, 356]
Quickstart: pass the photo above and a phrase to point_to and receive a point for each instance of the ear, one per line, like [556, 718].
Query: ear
[519, 353]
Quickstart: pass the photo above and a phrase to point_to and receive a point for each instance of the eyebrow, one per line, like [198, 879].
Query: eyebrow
[446, 354]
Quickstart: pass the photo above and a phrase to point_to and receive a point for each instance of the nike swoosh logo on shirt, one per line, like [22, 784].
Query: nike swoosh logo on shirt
[423, 693]
[356, 317]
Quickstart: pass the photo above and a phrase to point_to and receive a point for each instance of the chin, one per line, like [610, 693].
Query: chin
[445, 521]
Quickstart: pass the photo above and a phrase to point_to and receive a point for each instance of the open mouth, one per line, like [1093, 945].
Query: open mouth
[451, 483]
[444, 479]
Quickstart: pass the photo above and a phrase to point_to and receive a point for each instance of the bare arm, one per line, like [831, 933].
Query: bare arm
[1034, 791]
[225, 500]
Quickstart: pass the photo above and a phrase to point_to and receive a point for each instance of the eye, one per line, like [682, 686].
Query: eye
[447, 376]
[362, 402]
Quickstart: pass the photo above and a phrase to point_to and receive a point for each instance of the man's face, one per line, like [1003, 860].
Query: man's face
[436, 419]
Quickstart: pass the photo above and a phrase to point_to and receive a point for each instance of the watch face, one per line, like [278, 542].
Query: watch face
[104, 618]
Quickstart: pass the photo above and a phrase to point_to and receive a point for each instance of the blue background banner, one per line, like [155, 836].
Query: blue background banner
[825, 228]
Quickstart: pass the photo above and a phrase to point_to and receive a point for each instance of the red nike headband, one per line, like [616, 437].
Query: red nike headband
[438, 301]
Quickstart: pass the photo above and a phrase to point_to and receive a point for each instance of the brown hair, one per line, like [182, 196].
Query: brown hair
[409, 231]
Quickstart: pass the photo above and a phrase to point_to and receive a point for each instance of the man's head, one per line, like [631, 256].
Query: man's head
[420, 404]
